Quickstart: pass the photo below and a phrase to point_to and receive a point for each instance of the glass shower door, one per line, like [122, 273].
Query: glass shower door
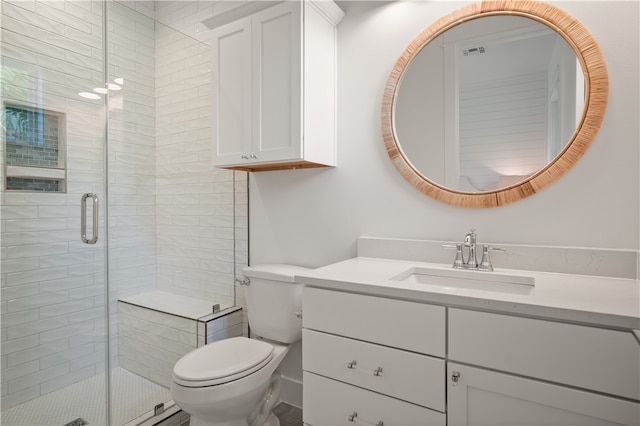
[53, 269]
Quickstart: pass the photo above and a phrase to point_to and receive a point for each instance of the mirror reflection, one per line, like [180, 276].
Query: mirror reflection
[489, 103]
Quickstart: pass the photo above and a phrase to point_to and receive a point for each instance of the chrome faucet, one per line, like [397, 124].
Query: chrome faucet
[470, 243]
[470, 260]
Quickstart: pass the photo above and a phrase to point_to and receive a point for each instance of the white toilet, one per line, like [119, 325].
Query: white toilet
[234, 381]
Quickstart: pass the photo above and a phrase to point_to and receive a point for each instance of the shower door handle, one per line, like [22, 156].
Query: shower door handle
[83, 218]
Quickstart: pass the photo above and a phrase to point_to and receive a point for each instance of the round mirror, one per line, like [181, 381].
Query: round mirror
[494, 102]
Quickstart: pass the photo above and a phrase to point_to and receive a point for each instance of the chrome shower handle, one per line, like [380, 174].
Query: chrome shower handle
[83, 218]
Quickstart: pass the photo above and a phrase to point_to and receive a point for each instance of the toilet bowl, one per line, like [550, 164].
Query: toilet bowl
[235, 381]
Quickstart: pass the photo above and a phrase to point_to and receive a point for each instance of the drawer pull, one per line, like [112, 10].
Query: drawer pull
[352, 366]
[353, 418]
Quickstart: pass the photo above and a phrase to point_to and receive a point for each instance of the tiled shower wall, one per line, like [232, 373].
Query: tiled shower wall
[222, 186]
[195, 201]
[131, 156]
[52, 284]
[171, 213]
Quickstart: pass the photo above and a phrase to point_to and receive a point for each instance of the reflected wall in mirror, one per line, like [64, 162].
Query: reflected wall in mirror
[494, 102]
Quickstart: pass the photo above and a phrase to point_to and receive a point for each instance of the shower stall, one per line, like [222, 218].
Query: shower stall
[110, 210]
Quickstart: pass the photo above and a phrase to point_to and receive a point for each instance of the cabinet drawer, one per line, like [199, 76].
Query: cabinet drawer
[588, 357]
[328, 402]
[413, 326]
[412, 377]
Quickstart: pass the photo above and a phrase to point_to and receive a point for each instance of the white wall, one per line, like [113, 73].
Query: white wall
[313, 217]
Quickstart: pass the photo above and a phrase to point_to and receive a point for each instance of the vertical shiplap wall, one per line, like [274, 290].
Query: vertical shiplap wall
[491, 151]
[52, 283]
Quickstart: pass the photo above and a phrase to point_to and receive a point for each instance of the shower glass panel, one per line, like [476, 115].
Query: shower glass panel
[53, 284]
[105, 118]
[171, 213]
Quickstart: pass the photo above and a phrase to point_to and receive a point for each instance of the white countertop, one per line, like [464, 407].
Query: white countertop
[594, 300]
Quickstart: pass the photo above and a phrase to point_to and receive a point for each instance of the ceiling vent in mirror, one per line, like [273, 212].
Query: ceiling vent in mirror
[473, 51]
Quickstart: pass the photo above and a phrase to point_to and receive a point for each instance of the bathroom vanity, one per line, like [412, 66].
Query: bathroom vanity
[384, 347]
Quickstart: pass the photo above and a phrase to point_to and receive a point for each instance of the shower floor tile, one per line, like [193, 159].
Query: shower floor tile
[131, 396]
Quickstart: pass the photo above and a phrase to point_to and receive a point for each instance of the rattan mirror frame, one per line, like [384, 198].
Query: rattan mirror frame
[596, 96]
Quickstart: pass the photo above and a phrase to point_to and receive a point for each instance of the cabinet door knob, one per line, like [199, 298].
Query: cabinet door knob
[253, 156]
[351, 365]
[377, 371]
[455, 377]
[244, 157]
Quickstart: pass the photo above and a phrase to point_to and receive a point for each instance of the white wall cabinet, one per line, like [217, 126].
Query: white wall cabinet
[274, 79]
[494, 369]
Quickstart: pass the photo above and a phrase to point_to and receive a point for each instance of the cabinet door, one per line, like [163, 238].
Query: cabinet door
[231, 73]
[277, 114]
[486, 398]
[593, 358]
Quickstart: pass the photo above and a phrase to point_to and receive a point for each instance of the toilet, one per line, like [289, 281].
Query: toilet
[236, 381]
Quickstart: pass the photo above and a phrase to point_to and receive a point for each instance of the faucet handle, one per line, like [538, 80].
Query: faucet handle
[485, 263]
[459, 260]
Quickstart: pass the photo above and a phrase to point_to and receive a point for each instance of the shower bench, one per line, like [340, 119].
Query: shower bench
[157, 328]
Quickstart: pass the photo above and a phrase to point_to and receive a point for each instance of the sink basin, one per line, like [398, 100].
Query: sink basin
[455, 279]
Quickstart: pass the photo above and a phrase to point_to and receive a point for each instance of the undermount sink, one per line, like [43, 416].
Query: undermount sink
[453, 279]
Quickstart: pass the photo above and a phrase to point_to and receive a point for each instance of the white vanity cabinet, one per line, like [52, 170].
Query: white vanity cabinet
[374, 360]
[274, 78]
[371, 360]
[523, 371]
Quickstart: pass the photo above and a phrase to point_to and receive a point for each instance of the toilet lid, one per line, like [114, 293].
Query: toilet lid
[222, 361]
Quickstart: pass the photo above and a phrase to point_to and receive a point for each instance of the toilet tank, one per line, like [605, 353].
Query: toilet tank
[273, 301]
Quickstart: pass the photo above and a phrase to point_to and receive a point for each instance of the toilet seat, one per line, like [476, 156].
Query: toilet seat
[222, 362]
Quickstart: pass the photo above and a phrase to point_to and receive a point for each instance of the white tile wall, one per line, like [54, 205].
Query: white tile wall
[52, 329]
[186, 17]
[194, 205]
[171, 212]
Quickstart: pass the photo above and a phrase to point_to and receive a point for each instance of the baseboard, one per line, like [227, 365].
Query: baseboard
[291, 391]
